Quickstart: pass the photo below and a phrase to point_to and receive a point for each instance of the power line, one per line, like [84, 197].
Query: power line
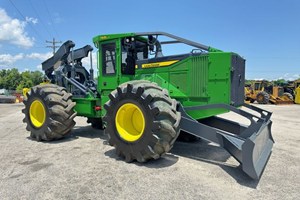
[53, 46]
[52, 24]
[42, 22]
[36, 32]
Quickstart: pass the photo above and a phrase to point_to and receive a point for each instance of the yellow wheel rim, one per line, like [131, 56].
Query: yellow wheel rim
[37, 113]
[130, 122]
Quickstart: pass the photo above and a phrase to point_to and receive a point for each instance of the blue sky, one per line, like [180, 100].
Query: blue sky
[266, 33]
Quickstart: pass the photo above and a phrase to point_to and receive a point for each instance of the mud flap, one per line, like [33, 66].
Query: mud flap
[250, 145]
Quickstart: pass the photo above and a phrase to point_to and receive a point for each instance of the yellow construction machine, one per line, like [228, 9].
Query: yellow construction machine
[278, 96]
[297, 91]
[293, 87]
[263, 92]
[256, 92]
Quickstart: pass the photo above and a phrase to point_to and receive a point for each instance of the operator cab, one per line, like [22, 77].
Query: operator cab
[132, 50]
[138, 52]
[120, 55]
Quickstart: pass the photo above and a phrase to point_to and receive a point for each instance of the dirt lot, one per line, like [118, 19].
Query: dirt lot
[83, 166]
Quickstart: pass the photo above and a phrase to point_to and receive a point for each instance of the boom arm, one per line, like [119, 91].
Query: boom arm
[61, 55]
[82, 53]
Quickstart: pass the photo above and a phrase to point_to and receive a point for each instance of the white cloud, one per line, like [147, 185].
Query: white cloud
[286, 76]
[32, 20]
[289, 77]
[86, 61]
[39, 56]
[8, 59]
[13, 30]
[39, 67]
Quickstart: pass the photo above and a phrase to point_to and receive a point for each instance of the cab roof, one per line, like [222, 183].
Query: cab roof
[101, 38]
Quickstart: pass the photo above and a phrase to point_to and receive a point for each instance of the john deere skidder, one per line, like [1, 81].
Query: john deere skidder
[144, 99]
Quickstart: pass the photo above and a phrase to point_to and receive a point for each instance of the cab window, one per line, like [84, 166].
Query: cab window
[109, 58]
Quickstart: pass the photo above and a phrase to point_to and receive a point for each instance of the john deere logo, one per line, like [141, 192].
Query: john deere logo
[159, 64]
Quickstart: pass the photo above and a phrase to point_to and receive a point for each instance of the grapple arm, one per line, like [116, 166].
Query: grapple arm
[61, 55]
[82, 53]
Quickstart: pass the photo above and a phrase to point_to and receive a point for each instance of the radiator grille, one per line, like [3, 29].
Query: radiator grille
[199, 76]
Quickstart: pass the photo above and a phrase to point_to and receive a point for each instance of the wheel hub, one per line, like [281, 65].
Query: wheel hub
[130, 122]
[37, 113]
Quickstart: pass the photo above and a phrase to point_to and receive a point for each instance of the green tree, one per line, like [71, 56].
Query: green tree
[3, 73]
[12, 79]
[280, 82]
[2, 76]
[37, 77]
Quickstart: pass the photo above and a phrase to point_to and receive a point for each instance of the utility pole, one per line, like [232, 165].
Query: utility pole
[53, 46]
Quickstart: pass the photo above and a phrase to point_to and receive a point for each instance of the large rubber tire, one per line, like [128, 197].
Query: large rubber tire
[161, 127]
[58, 112]
[289, 95]
[262, 97]
[96, 123]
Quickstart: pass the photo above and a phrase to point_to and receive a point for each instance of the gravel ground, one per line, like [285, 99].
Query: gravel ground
[83, 166]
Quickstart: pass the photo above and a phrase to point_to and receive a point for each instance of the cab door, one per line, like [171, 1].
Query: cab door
[108, 69]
